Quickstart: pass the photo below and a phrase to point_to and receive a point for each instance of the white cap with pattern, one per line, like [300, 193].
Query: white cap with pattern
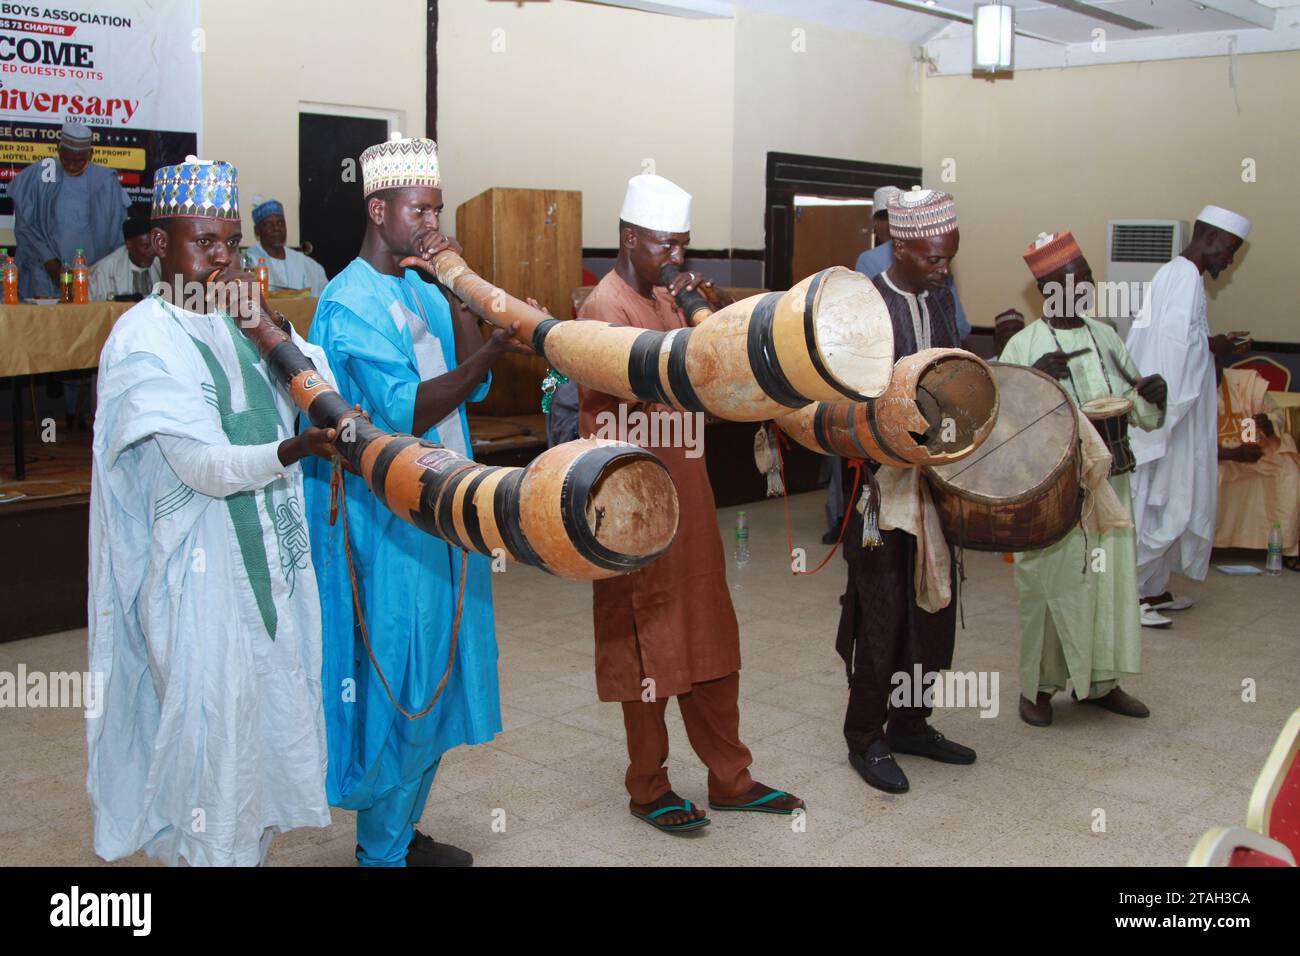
[400, 162]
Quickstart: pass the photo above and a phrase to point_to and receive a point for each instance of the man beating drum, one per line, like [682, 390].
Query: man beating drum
[1079, 618]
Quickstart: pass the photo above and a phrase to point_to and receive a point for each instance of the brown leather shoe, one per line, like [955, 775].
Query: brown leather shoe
[1118, 702]
[1039, 713]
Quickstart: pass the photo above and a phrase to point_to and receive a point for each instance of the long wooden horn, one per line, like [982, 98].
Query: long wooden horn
[827, 339]
[586, 509]
[939, 406]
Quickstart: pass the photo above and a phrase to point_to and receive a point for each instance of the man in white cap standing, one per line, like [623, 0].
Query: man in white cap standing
[1175, 485]
[669, 630]
[887, 625]
[63, 206]
[412, 362]
[880, 257]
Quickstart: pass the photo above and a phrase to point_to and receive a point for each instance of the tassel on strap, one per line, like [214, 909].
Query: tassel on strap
[767, 459]
[870, 509]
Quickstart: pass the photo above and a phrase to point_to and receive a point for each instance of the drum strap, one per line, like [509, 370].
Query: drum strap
[1096, 350]
[339, 502]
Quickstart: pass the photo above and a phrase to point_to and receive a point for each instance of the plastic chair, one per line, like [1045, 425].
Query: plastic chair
[1275, 801]
[1239, 847]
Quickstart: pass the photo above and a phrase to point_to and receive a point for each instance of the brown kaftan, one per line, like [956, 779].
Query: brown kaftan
[672, 621]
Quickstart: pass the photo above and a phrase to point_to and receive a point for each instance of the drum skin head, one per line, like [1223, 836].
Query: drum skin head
[1035, 435]
[1101, 408]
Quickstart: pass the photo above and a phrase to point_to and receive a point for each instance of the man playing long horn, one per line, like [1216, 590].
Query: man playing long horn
[411, 362]
[669, 630]
[207, 736]
[883, 628]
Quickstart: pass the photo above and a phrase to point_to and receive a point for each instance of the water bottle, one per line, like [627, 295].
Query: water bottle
[741, 553]
[263, 277]
[1273, 564]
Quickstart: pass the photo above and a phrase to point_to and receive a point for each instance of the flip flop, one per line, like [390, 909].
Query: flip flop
[756, 806]
[685, 805]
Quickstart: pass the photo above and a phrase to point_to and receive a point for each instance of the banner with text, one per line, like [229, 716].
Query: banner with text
[128, 69]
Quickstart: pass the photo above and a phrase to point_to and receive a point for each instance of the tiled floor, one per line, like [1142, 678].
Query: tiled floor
[1035, 796]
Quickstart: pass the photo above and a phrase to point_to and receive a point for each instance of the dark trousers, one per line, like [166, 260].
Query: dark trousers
[882, 633]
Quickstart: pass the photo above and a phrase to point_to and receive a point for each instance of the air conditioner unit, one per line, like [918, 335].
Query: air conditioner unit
[1135, 249]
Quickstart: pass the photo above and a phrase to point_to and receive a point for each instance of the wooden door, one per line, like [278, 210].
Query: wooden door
[332, 211]
[826, 236]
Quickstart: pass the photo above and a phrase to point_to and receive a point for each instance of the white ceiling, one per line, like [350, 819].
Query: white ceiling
[1050, 36]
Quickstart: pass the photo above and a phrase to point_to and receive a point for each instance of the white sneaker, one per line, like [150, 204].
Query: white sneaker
[1151, 619]
[1176, 604]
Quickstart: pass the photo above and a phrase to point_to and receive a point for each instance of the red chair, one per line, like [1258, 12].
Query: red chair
[1275, 801]
[1239, 847]
[1275, 373]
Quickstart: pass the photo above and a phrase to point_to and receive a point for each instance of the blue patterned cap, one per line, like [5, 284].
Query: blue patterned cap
[272, 207]
[196, 189]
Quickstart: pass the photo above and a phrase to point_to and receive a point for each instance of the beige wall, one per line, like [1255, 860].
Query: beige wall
[847, 95]
[1145, 140]
[264, 59]
[580, 96]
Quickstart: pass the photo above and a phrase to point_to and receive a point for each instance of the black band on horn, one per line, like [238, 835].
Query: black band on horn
[763, 360]
[643, 368]
[506, 511]
[678, 380]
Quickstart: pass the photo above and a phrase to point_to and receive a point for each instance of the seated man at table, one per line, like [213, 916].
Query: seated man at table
[288, 268]
[1259, 468]
[129, 270]
[60, 207]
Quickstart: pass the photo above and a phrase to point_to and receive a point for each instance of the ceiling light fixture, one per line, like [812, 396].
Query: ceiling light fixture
[991, 38]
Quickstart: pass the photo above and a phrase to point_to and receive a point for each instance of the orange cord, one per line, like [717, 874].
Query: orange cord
[855, 465]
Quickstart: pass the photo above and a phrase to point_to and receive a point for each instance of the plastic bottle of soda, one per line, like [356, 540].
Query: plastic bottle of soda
[66, 294]
[263, 276]
[80, 279]
[10, 274]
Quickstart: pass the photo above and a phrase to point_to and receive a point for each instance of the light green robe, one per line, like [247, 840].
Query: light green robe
[1079, 614]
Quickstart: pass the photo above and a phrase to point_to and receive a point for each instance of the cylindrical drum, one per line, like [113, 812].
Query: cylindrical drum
[1019, 491]
[829, 338]
[939, 407]
[1110, 417]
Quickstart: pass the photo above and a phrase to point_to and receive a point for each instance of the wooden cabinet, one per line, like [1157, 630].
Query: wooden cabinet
[529, 243]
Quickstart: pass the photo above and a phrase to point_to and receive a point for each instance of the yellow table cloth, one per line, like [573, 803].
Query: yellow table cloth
[35, 339]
